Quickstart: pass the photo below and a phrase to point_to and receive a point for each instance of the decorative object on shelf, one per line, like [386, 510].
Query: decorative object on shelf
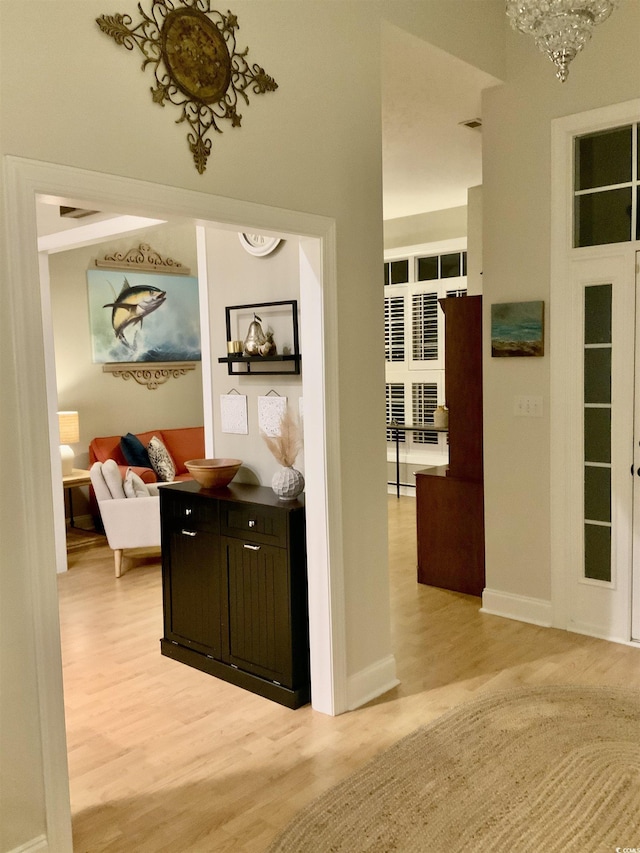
[255, 337]
[198, 68]
[213, 473]
[288, 482]
[517, 329]
[69, 429]
[260, 355]
[258, 244]
[151, 375]
[441, 417]
[268, 348]
[561, 28]
[141, 259]
[235, 347]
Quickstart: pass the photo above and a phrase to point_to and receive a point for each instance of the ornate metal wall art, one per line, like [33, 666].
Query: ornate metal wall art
[198, 68]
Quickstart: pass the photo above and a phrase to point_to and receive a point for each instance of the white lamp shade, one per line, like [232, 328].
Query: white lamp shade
[69, 426]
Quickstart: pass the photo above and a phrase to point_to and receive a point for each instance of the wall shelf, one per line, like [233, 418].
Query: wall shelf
[258, 360]
[282, 318]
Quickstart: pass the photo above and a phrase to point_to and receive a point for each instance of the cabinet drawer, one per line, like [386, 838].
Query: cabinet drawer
[189, 511]
[258, 523]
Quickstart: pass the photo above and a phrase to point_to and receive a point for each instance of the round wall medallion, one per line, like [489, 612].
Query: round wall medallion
[196, 55]
[258, 244]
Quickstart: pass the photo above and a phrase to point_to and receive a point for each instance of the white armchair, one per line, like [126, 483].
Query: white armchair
[129, 522]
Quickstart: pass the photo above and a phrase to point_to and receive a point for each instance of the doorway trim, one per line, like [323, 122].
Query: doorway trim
[37, 439]
[565, 391]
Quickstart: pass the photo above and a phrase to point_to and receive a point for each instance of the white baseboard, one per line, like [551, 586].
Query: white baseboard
[36, 845]
[536, 611]
[591, 630]
[371, 682]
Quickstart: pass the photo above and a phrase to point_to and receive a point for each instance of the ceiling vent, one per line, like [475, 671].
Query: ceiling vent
[472, 123]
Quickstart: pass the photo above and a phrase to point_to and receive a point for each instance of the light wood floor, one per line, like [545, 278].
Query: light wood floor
[165, 758]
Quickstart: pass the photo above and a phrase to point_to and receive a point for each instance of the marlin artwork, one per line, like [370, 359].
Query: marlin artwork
[131, 306]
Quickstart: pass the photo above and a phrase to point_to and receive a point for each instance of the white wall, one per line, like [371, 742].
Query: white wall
[474, 241]
[313, 146]
[516, 210]
[425, 228]
[238, 278]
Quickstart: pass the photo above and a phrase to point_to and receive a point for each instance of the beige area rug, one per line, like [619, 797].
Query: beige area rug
[541, 770]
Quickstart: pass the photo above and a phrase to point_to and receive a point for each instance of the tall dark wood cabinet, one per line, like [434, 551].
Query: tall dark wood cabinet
[450, 498]
[235, 587]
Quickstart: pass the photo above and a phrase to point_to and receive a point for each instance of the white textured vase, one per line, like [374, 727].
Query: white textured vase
[287, 483]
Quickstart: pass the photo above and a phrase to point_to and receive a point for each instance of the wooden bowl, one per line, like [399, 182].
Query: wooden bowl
[213, 473]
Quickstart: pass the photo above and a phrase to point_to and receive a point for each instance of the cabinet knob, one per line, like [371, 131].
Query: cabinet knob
[188, 511]
[252, 523]
[251, 547]
[189, 533]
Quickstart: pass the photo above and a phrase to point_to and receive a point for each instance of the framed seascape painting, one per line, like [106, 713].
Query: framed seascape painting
[143, 317]
[517, 329]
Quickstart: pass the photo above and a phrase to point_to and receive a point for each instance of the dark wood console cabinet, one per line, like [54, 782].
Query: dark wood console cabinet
[450, 498]
[235, 587]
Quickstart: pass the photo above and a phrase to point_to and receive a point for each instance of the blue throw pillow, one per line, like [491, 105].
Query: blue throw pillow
[134, 451]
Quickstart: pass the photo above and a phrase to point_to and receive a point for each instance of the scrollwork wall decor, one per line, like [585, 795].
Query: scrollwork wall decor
[142, 258]
[197, 65]
[151, 375]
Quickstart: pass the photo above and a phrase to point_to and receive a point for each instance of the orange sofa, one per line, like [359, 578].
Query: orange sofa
[183, 444]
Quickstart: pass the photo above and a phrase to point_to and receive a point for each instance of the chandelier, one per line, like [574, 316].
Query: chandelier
[560, 28]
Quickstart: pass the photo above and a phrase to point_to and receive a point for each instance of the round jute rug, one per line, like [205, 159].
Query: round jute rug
[541, 770]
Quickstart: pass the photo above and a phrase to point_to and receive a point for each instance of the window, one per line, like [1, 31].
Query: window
[424, 326]
[394, 328]
[396, 272]
[606, 187]
[395, 408]
[441, 266]
[414, 349]
[424, 401]
[597, 432]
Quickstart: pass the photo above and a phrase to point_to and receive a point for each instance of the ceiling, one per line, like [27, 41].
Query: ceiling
[429, 158]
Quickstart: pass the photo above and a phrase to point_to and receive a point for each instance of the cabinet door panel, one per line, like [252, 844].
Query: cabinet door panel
[193, 569]
[259, 627]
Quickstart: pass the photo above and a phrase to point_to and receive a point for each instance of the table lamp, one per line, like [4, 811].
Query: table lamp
[69, 427]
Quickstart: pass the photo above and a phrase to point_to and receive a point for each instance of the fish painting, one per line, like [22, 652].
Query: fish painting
[132, 305]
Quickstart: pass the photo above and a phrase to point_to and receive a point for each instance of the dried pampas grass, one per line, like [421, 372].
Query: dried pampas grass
[288, 443]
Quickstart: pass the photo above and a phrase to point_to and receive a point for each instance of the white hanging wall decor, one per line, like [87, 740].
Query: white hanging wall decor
[270, 412]
[233, 413]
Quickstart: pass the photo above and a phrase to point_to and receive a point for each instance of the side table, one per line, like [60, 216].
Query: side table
[77, 477]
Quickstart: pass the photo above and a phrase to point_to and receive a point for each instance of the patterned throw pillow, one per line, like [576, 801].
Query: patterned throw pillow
[161, 460]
